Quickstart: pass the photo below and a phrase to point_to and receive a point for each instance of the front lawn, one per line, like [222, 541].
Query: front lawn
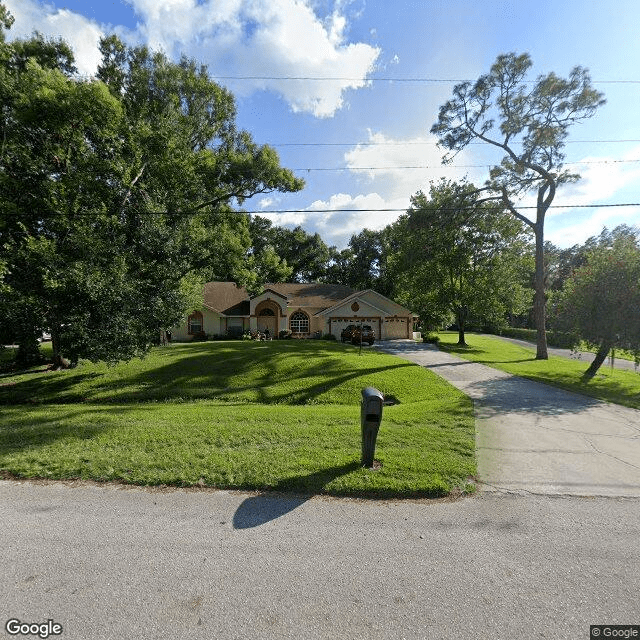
[281, 415]
[612, 385]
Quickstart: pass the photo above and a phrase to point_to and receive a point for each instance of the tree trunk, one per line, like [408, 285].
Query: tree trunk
[59, 362]
[539, 304]
[461, 326]
[601, 355]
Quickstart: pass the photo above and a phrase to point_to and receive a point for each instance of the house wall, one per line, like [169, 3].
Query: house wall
[211, 321]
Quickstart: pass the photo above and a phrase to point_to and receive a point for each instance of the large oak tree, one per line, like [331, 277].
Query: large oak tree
[115, 193]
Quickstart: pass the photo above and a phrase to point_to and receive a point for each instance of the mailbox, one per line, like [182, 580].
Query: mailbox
[370, 419]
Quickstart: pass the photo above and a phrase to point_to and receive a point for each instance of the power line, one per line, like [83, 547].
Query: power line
[385, 79]
[553, 206]
[365, 210]
[451, 166]
[402, 144]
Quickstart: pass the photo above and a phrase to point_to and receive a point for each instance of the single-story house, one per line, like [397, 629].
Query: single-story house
[303, 309]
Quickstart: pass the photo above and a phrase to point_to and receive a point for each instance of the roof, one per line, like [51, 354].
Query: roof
[229, 299]
[311, 295]
[226, 298]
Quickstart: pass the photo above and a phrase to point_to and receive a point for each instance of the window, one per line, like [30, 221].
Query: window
[194, 323]
[299, 322]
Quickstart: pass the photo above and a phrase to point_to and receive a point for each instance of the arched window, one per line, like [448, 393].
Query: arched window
[299, 322]
[267, 312]
[194, 323]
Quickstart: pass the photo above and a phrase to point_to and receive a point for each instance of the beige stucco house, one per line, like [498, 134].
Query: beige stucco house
[303, 309]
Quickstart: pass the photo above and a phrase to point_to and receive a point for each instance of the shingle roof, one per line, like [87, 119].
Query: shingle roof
[227, 298]
[311, 295]
[231, 300]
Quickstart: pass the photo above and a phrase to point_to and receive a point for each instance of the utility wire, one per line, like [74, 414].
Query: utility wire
[365, 210]
[386, 79]
[451, 166]
[402, 144]
[553, 206]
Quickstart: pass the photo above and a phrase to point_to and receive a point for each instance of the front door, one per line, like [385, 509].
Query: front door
[267, 322]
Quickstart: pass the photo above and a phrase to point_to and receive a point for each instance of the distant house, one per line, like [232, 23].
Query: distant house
[303, 309]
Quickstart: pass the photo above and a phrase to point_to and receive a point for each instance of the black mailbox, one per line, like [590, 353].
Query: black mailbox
[370, 419]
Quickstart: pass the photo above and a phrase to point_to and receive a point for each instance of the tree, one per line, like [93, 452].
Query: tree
[116, 194]
[601, 299]
[529, 123]
[306, 254]
[459, 257]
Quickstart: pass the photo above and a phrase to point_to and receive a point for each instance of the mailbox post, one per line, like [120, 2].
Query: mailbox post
[370, 419]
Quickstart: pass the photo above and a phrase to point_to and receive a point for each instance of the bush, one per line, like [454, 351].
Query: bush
[430, 339]
[199, 336]
[284, 335]
[558, 339]
[235, 332]
[328, 336]
[518, 334]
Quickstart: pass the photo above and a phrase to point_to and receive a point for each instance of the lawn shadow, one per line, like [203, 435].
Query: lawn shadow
[19, 432]
[258, 510]
[202, 371]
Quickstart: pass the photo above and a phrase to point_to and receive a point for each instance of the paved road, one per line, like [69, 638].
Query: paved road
[584, 356]
[111, 563]
[536, 438]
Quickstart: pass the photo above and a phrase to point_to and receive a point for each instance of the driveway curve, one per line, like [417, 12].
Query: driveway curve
[534, 438]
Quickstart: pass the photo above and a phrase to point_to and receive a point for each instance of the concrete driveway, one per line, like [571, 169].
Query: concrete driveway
[535, 438]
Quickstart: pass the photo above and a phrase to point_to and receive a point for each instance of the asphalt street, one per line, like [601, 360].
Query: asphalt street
[109, 562]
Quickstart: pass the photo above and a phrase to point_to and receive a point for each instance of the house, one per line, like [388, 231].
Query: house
[303, 309]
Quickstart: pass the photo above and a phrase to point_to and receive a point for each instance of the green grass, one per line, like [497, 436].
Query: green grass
[282, 415]
[613, 385]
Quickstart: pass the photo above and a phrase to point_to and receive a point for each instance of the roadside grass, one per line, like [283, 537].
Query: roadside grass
[612, 385]
[281, 416]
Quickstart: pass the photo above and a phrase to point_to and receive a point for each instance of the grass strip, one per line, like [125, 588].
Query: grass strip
[612, 385]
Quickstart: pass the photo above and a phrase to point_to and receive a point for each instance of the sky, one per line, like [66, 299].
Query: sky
[347, 91]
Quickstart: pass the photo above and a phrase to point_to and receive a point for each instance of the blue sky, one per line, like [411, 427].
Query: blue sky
[358, 140]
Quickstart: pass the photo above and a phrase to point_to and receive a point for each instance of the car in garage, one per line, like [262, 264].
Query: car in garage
[347, 333]
[363, 333]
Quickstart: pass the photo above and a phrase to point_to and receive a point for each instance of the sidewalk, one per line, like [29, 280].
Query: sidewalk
[531, 437]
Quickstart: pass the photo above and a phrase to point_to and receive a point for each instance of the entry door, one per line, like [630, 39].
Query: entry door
[267, 322]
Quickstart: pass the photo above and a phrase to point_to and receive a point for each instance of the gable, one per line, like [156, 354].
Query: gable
[368, 302]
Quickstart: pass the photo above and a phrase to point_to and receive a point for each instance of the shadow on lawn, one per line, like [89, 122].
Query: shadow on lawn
[258, 510]
[19, 431]
[203, 371]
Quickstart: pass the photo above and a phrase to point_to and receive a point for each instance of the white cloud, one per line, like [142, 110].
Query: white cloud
[604, 179]
[272, 38]
[394, 168]
[81, 33]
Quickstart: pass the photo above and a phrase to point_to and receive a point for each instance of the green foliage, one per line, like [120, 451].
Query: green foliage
[601, 300]
[459, 257]
[117, 196]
